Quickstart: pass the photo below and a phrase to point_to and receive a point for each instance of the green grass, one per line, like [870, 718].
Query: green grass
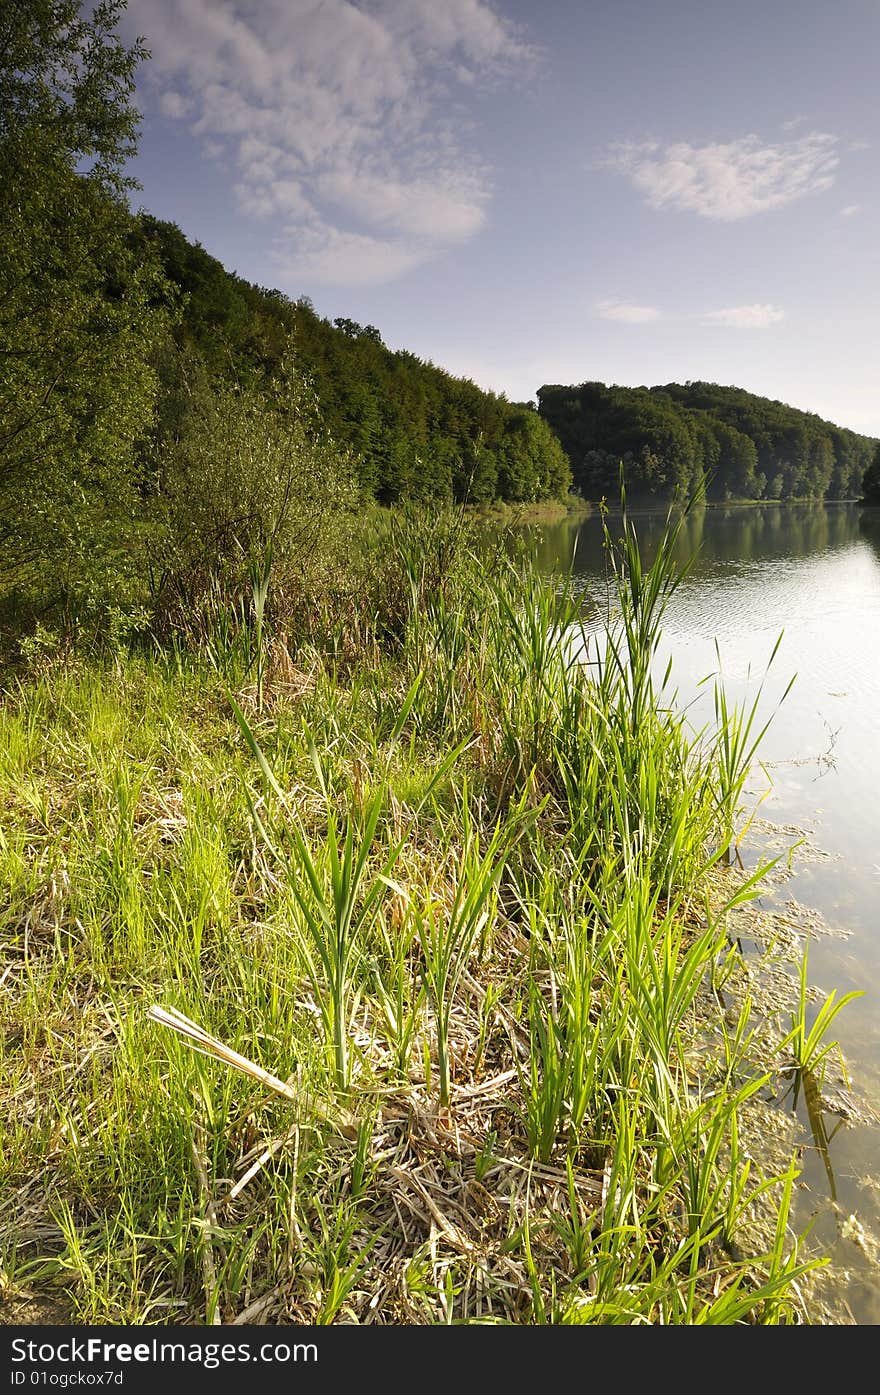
[435, 896]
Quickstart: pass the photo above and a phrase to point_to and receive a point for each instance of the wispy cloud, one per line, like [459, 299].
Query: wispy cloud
[341, 121]
[728, 181]
[850, 210]
[174, 104]
[318, 253]
[733, 316]
[745, 316]
[626, 312]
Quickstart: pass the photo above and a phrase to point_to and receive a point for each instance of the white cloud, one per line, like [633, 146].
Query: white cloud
[266, 198]
[340, 118]
[321, 254]
[851, 210]
[746, 316]
[470, 29]
[174, 104]
[626, 313]
[449, 201]
[728, 181]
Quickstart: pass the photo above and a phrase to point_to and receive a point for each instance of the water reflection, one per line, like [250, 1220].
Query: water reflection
[869, 527]
[737, 533]
[804, 1081]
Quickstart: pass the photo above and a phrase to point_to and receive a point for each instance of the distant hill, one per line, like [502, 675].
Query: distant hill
[417, 432]
[673, 437]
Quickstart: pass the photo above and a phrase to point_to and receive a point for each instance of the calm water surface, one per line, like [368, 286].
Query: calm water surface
[812, 574]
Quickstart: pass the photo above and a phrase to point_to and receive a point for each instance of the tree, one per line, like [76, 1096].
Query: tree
[672, 437]
[82, 308]
[253, 467]
[871, 480]
[532, 464]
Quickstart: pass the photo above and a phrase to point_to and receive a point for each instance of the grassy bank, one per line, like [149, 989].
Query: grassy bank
[548, 511]
[432, 896]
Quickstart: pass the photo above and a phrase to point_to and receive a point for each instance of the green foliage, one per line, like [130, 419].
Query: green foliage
[674, 438]
[449, 931]
[250, 468]
[415, 431]
[81, 310]
[871, 480]
[808, 1043]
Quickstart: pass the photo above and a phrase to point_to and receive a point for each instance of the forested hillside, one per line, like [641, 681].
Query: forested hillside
[674, 437]
[416, 431]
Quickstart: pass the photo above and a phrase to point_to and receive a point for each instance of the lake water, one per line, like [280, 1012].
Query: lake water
[810, 573]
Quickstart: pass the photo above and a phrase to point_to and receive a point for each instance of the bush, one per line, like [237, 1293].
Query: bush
[252, 468]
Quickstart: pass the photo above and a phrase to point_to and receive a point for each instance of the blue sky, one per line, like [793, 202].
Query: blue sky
[635, 191]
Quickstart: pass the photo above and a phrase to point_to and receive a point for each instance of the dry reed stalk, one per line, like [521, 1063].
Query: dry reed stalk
[206, 1045]
[209, 1226]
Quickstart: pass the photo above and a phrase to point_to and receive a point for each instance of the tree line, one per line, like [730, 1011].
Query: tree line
[681, 437]
[416, 431]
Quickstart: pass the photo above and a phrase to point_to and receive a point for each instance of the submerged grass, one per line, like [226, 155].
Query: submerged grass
[369, 992]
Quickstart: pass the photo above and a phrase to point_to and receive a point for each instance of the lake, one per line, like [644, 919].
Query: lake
[810, 573]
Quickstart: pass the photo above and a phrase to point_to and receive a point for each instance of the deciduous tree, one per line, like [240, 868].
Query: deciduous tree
[81, 309]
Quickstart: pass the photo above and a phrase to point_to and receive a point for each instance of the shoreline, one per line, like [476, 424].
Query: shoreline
[470, 952]
[553, 511]
[545, 511]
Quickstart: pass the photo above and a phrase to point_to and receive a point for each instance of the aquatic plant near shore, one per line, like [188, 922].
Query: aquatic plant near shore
[737, 742]
[808, 1042]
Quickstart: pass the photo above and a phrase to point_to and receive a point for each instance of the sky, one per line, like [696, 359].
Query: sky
[628, 191]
